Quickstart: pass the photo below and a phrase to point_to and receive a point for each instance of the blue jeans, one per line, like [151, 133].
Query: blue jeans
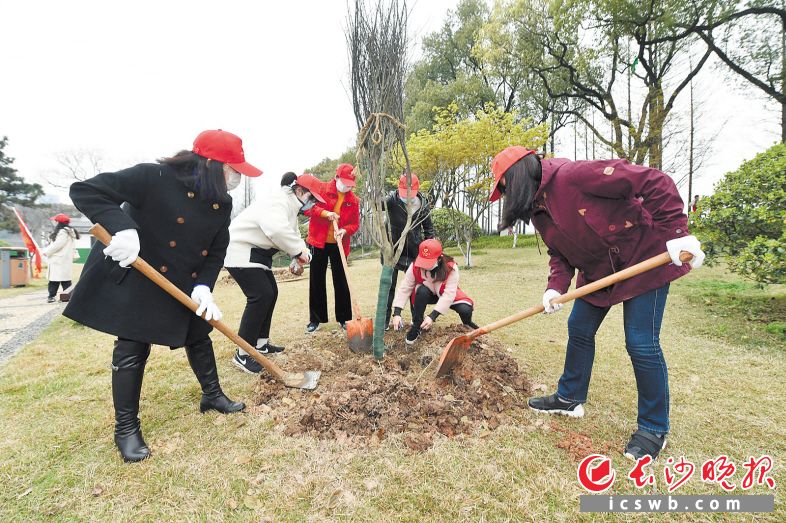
[642, 317]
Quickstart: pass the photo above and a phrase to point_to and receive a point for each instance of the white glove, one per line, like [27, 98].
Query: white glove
[304, 257]
[202, 295]
[295, 267]
[124, 247]
[549, 295]
[689, 244]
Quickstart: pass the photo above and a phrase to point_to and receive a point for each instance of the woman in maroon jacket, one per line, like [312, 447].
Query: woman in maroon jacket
[599, 217]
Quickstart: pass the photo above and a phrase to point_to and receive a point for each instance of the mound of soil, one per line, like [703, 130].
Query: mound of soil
[361, 400]
[281, 275]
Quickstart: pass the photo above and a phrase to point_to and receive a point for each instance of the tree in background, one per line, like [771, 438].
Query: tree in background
[456, 157]
[13, 190]
[745, 220]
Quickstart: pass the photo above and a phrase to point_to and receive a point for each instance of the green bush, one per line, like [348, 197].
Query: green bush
[451, 226]
[745, 220]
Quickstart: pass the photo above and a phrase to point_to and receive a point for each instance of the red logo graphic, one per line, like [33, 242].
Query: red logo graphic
[593, 478]
[717, 470]
[639, 476]
[763, 465]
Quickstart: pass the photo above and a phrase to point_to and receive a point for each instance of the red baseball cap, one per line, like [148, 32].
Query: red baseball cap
[224, 147]
[502, 162]
[428, 252]
[402, 185]
[61, 218]
[344, 172]
[312, 183]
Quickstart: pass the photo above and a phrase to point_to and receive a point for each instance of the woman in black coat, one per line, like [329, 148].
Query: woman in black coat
[175, 215]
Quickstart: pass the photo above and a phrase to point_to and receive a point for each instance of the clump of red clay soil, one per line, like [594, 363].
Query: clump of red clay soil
[360, 400]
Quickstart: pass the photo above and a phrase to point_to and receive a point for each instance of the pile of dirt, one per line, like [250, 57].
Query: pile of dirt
[361, 400]
[281, 275]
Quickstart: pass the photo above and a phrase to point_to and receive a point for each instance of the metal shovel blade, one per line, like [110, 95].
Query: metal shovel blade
[360, 335]
[302, 380]
[453, 354]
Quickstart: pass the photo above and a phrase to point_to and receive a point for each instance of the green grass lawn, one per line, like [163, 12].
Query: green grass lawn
[58, 461]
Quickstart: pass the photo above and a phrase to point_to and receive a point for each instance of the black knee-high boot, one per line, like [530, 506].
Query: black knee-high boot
[203, 362]
[128, 368]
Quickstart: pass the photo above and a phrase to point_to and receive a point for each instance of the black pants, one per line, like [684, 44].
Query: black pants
[424, 296]
[317, 290]
[53, 285]
[261, 290]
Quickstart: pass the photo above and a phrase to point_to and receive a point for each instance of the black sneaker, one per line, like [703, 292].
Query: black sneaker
[50, 300]
[343, 325]
[268, 348]
[412, 335]
[555, 405]
[643, 443]
[312, 327]
[246, 363]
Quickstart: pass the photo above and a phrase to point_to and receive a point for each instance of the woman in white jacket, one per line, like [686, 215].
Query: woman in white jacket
[60, 254]
[265, 227]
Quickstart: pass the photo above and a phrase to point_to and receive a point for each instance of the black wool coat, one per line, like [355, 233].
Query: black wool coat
[423, 228]
[182, 236]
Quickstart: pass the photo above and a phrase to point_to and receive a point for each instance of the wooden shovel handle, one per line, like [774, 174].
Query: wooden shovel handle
[340, 245]
[142, 266]
[633, 270]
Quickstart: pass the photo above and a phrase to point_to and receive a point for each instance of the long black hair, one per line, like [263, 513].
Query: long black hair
[61, 225]
[522, 180]
[205, 177]
[443, 269]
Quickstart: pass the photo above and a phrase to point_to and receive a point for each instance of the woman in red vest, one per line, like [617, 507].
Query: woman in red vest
[432, 278]
[343, 207]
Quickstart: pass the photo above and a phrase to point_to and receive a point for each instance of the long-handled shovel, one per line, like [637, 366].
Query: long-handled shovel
[300, 380]
[454, 352]
[360, 331]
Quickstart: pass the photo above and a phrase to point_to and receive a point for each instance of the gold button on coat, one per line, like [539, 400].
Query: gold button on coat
[216, 206]
[194, 275]
[204, 253]
[191, 194]
[163, 268]
[173, 243]
[180, 219]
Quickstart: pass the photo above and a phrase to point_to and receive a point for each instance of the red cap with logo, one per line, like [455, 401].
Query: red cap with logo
[312, 184]
[224, 147]
[502, 163]
[61, 218]
[402, 186]
[344, 172]
[428, 253]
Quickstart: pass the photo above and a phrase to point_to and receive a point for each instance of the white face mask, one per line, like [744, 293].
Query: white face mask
[341, 187]
[232, 178]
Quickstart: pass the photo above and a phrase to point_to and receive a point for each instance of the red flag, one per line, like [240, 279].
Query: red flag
[30, 243]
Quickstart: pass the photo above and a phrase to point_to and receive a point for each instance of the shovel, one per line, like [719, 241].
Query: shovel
[305, 380]
[454, 352]
[360, 331]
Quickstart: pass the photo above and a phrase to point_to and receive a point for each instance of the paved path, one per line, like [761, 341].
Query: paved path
[22, 318]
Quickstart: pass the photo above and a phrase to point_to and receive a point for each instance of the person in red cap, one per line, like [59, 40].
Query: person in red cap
[432, 278]
[342, 207]
[407, 196]
[267, 226]
[175, 215]
[599, 217]
[60, 255]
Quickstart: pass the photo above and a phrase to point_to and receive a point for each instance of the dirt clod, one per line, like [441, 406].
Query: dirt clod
[360, 400]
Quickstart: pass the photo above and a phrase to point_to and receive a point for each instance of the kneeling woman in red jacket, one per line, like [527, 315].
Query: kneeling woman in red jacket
[432, 278]
[599, 217]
